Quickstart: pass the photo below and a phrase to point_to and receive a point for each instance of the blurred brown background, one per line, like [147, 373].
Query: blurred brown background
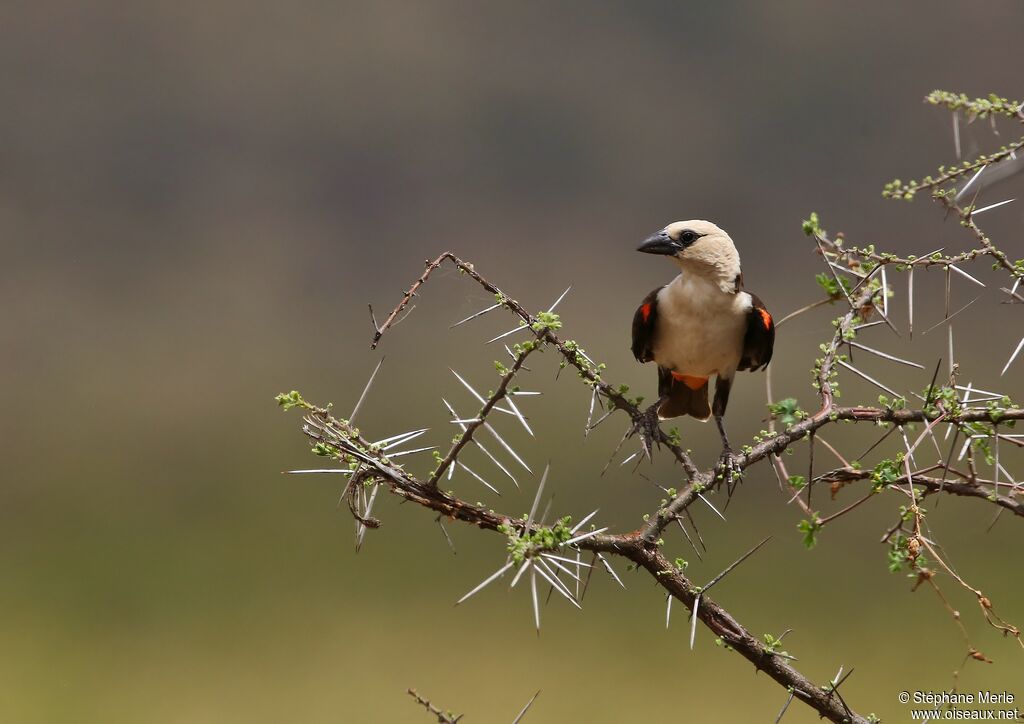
[197, 200]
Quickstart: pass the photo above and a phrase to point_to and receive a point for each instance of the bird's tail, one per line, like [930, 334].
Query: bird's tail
[686, 396]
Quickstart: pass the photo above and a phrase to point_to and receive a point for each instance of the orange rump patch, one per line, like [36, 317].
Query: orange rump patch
[765, 318]
[645, 311]
[694, 383]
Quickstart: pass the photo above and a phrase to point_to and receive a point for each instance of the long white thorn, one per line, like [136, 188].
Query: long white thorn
[956, 134]
[611, 571]
[486, 581]
[369, 383]
[394, 440]
[983, 209]
[933, 252]
[584, 536]
[963, 450]
[579, 580]
[526, 708]
[520, 328]
[475, 315]
[996, 468]
[910, 301]
[864, 347]
[952, 361]
[1012, 357]
[561, 567]
[484, 482]
[969, 183]
[870, 379]
[519, 574]
[948, 289]
[577, 562]
[495, 460]
[411, 452]
[536, 604]
[507, 447]
[560, 298]
[477, 395]
[964, 274]
[590, 415]
[846, 269]
[708, 502]
[536, 498]
[693, 622]
[885, 293]
[519, 415]
[468, 386]
[970, 389]
[868, 324]
[629, 458]
[584, 521]
[946, 319]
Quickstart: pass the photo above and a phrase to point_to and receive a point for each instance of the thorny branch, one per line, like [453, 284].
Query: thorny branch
[443, 717]
[324, 429]
[856, 277]
[544, 333]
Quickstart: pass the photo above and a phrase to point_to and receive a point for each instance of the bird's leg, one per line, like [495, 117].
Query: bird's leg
[721, 431]
[726, 461]
[726, 467]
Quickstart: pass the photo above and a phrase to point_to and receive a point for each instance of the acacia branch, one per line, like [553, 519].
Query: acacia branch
[802, 429]
[322, 427]
[933, 485]
[325, 429]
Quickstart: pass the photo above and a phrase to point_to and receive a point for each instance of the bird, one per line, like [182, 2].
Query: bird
[702, 323]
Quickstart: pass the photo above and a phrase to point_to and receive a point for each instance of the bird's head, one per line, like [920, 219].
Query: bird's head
[698, 247]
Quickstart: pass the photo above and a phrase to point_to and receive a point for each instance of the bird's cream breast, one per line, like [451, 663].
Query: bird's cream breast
[700, 328]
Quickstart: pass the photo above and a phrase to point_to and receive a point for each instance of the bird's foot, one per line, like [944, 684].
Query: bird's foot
[647, 427]
[726, 470]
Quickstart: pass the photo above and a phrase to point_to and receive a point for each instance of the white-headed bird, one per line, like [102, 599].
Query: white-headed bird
[700, 324]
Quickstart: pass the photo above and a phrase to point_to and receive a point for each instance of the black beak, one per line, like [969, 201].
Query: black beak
[660, 243]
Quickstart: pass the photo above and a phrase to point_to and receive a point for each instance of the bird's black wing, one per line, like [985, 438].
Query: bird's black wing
[759, 339]
[645, 321]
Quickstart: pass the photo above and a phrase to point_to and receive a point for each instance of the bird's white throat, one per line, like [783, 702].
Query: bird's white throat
[719, 265]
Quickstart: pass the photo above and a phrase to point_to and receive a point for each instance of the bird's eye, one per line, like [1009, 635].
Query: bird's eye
[688, 237]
